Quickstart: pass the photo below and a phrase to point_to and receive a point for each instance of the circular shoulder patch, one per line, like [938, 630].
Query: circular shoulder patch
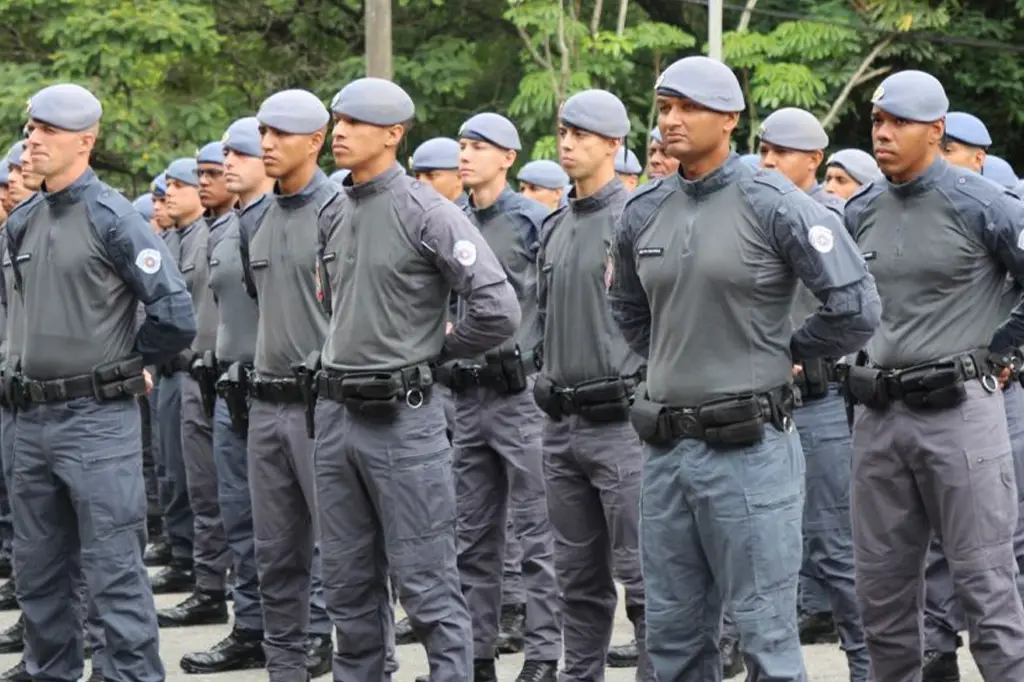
[821, 238]
[465, 252]
[148, 260]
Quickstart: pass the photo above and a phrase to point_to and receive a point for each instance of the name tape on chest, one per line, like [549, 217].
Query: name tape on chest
[821, 238]
[149, 261]
[464, 252]
[650, 251]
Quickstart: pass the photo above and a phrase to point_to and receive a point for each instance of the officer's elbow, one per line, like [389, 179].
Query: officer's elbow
[861, 326]
[509, 316]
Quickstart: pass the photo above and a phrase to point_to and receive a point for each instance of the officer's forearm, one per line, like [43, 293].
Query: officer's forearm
[492, 317]
[842, 325]
[1010, 334]
[169, 328]
[633, 319]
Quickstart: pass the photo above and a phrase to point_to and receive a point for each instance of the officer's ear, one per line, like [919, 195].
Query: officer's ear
[816, 158]
[87, 138]
[510, 159]
[396, 133]
[730, 121]
[316, 141]
[936, 132]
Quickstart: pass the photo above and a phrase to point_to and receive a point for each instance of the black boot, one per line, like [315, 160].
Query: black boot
[8, 600]
[817, 628]
[12, 640]
[732, 661]
[940, 666]
[483, 670]
[6, 564]
[404, 633]
[158, 553]
[538, 671]
[623, 656]
[154, 526]
[16, 674]
[177, 577]
[201, 608]
[96, 675]
[510, 630]
[240, 650]
[320, 657]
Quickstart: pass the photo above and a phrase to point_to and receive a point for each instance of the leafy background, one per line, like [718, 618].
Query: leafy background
[172, 74]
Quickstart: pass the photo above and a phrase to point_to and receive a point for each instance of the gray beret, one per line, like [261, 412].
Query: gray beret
[543, 173]
[795, 129]
[967, 128]
[212, 152]
[159, 185]
[706, 81]
[858, 164]
[493, 129]
[999, 171]
[296, 112]
[65, 106]
[627, 163]
[375, 101]
[439, 153]
[656, 135]
[14, 154]
[4, 174]
[596, 111]
[752, 160]
[338, 176]
[243, 137]
[183, 170]
[912, 95]
[144, 205]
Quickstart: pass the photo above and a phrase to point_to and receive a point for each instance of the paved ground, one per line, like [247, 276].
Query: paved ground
[825, 663]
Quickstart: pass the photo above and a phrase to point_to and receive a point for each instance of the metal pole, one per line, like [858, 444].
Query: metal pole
[715, 29]
[378, 39]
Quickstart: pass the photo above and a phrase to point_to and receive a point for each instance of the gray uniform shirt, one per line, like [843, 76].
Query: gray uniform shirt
[704, 276]
[581, 341]
[392, 250]
[806, 303]
[83, 258]
[282, 265]
[511, 227]
[172, 238]
[940, 247]
[195, 266]
[237, 314]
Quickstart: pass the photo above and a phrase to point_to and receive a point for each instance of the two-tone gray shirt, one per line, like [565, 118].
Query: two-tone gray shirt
[581, 340]
[940, 247]
[392, 250]
[195, 266]
[282, 261]
[703, 278]
[237, 313]
[83, 258]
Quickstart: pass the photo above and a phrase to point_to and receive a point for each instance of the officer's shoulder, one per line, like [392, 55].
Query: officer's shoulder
[769, 182]
[22, 211]
[863, 197]
[980, 191]
[111, 202]
[332, 204]
[531, 209]
[645, 200]
[551, 220]
[422, 196]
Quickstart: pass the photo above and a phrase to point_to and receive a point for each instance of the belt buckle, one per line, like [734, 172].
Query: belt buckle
[689, 425]
[35, 391]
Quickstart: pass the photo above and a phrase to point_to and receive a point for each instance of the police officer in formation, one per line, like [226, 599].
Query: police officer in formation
[659, 164]
[628, 168]
[436, 162]
[543, 181]
[849, 169]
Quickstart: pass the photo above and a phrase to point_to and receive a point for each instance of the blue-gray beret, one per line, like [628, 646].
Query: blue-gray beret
[159, 185]
[703, 80]
[243, 137]
[793, 128]
[14, 154]
[212, 152]
[596, 111]
[543, 173]
[183, 170]
[65, 106]
[493, 129]
[752, 160]
[338, 176]
[294, 112]
[858, 164]
[967, 128]
[999, 171]
[375, 101]
[627, 163]
[439, 153]
[144, 205]
[4, 174]
[913, 96]
[656, 135]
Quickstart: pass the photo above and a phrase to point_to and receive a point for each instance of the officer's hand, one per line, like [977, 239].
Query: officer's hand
[448, 328]
[1003, 377]
[149, 380]
[797, 370]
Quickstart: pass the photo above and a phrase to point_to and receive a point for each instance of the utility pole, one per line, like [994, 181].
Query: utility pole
[378, 38]
[715, 29]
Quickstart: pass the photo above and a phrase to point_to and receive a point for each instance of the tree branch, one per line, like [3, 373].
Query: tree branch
[620, 24]
[563, 48]
[855, 79]
[748, 11]
[872, 74]
[595, 18]
[543, 63]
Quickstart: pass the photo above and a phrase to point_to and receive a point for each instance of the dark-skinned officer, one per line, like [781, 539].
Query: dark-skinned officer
[931, 447]
[543, 181]
[704, 273]
[77, 466]
[279, 256]
[847, 170]
[659, 164]
[383, 463]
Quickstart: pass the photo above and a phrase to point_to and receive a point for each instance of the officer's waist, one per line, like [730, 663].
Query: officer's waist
[815, 378]
[411, 384]
[282, 390]
[179, 363]
[116, 380]
[605, 399]
[932, 385]
[504, 370]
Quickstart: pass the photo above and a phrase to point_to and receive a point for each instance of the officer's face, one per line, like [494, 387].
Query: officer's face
[53, 150]
[903, 148]
[960, 154]
[357, 145]
[690, 132]
[660, 164]
[481, 163]
[446, 182]
[16, 189]
[182, 200]
[284, 153]
[630, 181]
[839, 183]
[213, 191]
[582, 153]
[5, 201]
[546, 196]
[33, 181]
[800, 167]
[242, 173]
[160, 213]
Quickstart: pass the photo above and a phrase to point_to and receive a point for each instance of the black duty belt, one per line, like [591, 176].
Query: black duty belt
[504, 371]
[117, 380]
[729, 422]
[814, 380]
[180, 363]
[599, 400]
[377, 394]
[276, 390]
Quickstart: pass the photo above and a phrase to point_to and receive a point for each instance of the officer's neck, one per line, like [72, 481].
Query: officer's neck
[485, 196]
[265, 187]
[67, 177]
[296, 181]
[375, 167]
[592, 184]
[189, 219]
[915, 170]
[218, 211]
[710, 162]
[808, 184]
